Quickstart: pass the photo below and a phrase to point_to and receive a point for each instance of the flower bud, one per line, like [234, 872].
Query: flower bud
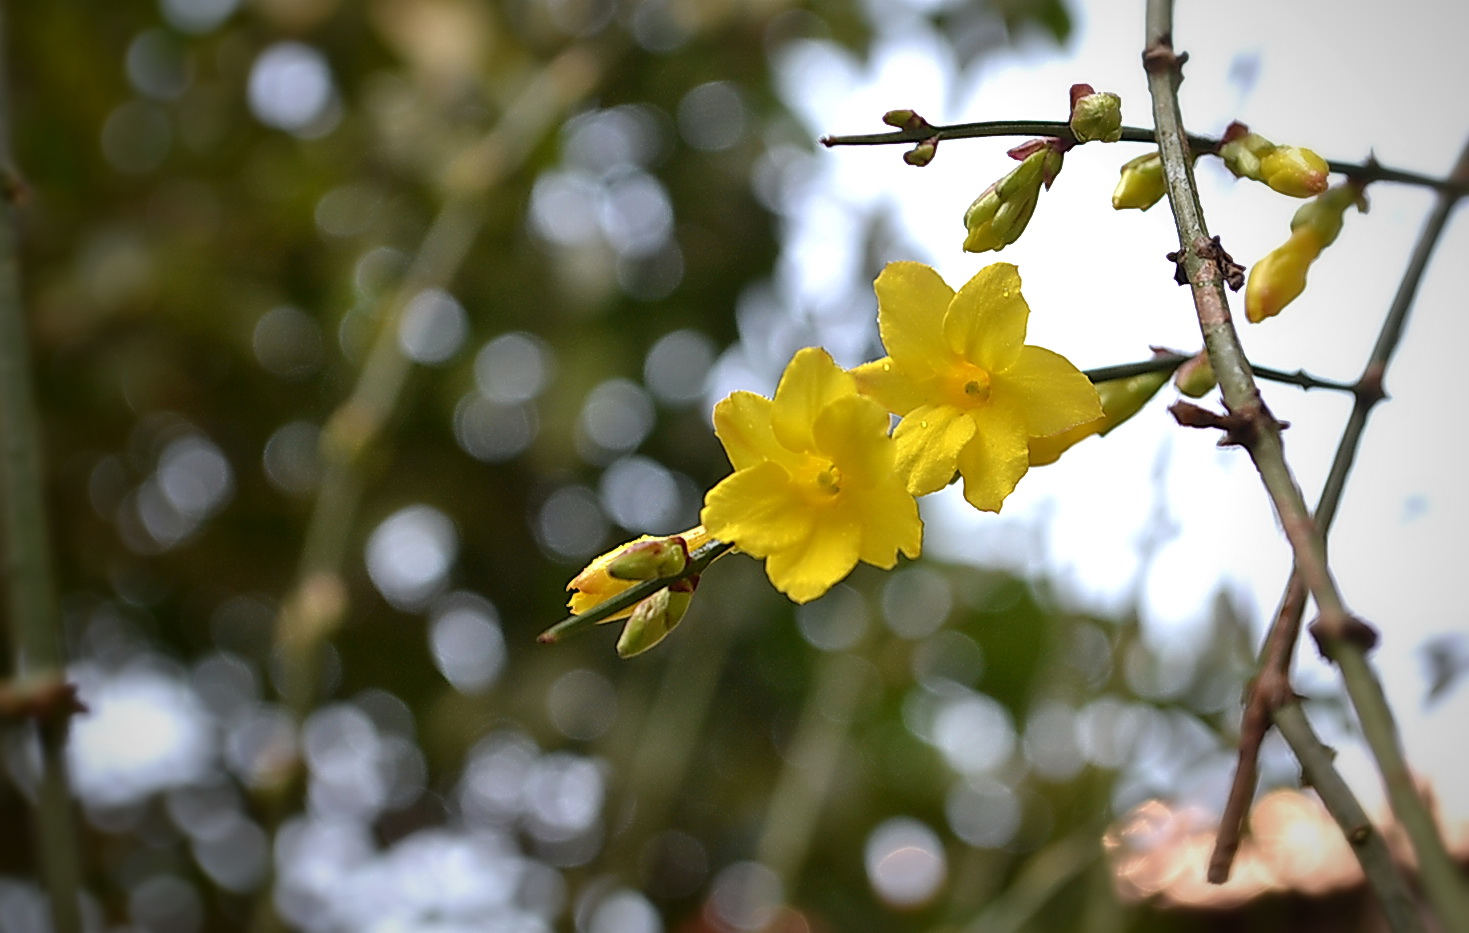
[1095, 116]
[597, 583]
[653, 618]
[1291, 170]
[1121, 399]
[1280, 277]
[1195, 378]
[649, 558]
[923, 153]
[1325, 212]
[1141, 185]
[999, 215]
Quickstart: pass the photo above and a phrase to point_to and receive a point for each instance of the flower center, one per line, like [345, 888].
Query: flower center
[829, 480]
[970, 386]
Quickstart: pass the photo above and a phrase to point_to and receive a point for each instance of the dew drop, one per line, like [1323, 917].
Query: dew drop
[887, 367]
[923, 424]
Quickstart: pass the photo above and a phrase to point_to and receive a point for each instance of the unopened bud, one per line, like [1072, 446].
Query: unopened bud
[655, 617]
[1280, 277]
[999, 215]
[1123, 398]
[1141, 185]
[1291, 170]
[646, 560]
[923, 153]
[1094, 115]
[597, 583]
[1195, 378]
[1325, 212]
[1294, 171]
[904, 119]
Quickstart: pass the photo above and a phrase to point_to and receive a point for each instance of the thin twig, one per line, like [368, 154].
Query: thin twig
[1171, 361]
[1365, 839]
[1343, 637]
[1275, 659]
[1365, 172]
[38, 658]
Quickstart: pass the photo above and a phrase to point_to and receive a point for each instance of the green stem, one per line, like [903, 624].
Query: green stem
[36, 646]
[1364, 172]
[1341, 635]
[1171, 361]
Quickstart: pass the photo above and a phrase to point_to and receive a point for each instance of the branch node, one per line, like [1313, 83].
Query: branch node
[1230, 271]
[1241, 428]
[1329, 631]
[1369, 390]
[1159, 56]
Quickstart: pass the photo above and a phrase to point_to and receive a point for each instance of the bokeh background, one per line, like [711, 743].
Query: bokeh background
[359, 327]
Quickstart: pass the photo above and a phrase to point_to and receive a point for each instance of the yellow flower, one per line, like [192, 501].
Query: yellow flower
[598, 582]
[970, 392]
[814, 489]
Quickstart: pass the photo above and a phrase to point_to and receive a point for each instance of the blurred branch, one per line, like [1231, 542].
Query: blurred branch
[1365, 839]
[1365, 172]
[810, 763]
[38, 657]
[1344, 638]
[1266, 692]
[317, 602]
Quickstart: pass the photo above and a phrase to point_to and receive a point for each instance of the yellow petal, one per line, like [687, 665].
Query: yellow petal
[811, 567]
[995, 459]
[852, 432]
[911, 301]
[929, 440]
[811, 380]
[893, 387]
[742, 423]
[890, 523]
[986, 321]
[1050, 392]
[759, 509]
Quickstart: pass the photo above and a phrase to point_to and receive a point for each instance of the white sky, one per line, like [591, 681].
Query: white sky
[1342, 78]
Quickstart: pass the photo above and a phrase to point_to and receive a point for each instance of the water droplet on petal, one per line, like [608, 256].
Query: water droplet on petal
[923, 424]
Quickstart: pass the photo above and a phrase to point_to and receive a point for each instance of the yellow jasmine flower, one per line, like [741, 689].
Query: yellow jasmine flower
[814, 489]
[970, 392]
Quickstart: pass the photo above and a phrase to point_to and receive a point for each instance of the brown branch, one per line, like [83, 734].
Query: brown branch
[1263, 699]
[1366, 172]
[1341, 634]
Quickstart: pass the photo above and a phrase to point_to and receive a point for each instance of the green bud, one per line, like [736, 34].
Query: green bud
[649, 559]
[1096, 116]
[1291, 170]
[1324, 213]
[1196, 377]
[653, 619]
[1123, 398]
[1141, 185]
[923, 153]
[999, 215]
